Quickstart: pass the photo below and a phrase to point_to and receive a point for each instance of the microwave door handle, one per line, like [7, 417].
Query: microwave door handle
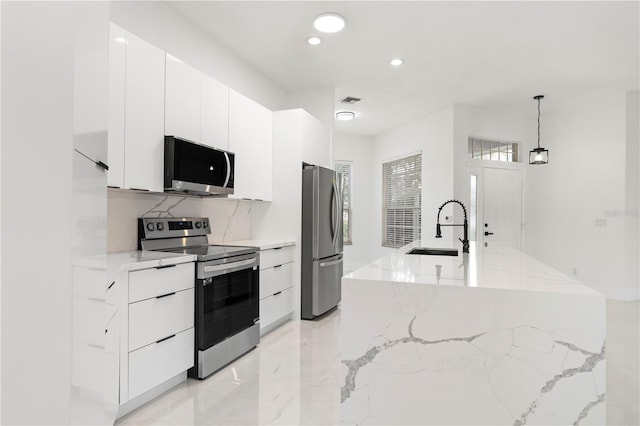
[226, 181]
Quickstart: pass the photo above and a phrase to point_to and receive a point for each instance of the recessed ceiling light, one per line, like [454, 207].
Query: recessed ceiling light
[314, 40]
[345, 115]
[329, 23]
[396, 62]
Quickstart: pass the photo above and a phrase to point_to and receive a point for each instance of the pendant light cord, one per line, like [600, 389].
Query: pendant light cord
[538, 123]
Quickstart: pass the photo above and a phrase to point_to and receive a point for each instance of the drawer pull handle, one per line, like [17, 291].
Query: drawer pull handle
[166, 338]
[165, 295]
[111, 285]
[165, 266]
[277, 266]
[275, 294]
[278, 248]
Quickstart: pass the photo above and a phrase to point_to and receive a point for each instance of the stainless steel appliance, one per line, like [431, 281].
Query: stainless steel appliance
[198, 169]
[321, 288]
[227, 289]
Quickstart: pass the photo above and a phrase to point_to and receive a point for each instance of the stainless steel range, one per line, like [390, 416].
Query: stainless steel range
[227, 289]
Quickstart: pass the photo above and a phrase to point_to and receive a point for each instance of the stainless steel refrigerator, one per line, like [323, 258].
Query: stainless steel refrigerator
[321, 288]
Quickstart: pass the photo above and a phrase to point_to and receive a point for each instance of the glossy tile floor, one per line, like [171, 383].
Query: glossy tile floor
[293, 377]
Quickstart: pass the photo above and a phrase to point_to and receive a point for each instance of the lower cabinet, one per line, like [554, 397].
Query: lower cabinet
[156, 327]
[276, 287]
[158, 362]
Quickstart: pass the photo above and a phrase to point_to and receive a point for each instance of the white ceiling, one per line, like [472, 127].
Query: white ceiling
[495, 54]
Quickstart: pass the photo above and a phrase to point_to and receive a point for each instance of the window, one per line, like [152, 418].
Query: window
[344, 168]
[482, 149]
[401, 201]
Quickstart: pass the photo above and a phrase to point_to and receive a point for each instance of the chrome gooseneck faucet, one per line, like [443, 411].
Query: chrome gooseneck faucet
[465, 240]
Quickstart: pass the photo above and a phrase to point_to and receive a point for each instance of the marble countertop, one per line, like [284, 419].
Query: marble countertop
[502, 268]
[261, 244]
[115, 263]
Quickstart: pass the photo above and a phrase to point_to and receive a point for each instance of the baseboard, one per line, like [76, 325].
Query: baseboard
[277, 323]
[140, 400]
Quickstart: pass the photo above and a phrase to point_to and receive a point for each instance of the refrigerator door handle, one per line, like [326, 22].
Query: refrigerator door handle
[333, 262]
[334, 213]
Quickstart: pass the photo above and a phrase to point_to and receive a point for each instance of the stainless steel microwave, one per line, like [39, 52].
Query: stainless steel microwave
[198, 169]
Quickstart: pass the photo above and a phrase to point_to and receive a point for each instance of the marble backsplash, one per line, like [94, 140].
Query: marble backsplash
[230, 219]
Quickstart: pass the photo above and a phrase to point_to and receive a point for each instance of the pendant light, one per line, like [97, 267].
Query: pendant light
[538, 155]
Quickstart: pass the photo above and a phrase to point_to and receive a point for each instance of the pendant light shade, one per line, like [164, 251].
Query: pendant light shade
[538, 155]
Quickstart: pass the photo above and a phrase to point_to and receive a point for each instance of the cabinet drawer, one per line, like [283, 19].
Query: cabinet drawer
[275, 307]
[275, 279]
[277, 256]
[89, 320]
[154, 319]
[157, 363]
[154, 282]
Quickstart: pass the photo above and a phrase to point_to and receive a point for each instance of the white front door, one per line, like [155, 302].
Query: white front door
[502, 211]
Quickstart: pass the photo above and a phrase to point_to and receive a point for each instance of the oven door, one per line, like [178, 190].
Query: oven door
[227, 298]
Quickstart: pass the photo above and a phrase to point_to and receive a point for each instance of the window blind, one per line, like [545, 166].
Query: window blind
[402, 201]
[345, 172]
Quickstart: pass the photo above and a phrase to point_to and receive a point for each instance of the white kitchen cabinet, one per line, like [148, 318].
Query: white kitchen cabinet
[144, 116]
[250, 139]
[117, 72]
[277, 268]
[156, 327]
[182, 100]
[214, 113]
[196, 105]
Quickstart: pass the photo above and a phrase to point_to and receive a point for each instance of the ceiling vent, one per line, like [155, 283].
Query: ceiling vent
[349, 100]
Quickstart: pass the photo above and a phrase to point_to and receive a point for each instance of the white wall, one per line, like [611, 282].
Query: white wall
[433, 136]
[358, 150]
[632, 195]
[576, 203]
[161, 26]
[319, 102]
[42, 43]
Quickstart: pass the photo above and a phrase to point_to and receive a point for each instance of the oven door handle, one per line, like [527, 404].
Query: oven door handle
[225, 268]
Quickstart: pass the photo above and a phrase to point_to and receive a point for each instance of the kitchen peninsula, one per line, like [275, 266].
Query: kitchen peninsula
[489, 337]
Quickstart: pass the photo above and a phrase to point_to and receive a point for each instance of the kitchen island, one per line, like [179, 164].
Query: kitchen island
[489, 337]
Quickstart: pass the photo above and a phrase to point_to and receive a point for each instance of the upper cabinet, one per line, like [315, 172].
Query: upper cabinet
[250, 139]
[153, 94]
[182, 101]
[196, 105]
[214, 113]
[144, 116]
[117, 60]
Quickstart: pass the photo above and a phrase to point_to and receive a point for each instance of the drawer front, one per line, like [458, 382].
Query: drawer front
[275, 307]
[157, 363]
[275, 279]
[154, 282]
[89, 321]
[278, 256]
[89, 282]
[154, 319]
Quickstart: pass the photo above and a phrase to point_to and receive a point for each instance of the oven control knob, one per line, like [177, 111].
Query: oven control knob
[204, 224]
[198, 225]
[159, 226]
[150, 226]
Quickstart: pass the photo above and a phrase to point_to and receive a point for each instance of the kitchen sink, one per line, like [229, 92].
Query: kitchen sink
[433, 251]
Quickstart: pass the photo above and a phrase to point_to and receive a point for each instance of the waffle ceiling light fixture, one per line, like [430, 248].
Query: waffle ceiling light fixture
[345, 115]
[329, 23]
[538, 155]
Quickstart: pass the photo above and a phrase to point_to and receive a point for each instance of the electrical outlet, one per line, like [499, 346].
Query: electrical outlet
[601, 223]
